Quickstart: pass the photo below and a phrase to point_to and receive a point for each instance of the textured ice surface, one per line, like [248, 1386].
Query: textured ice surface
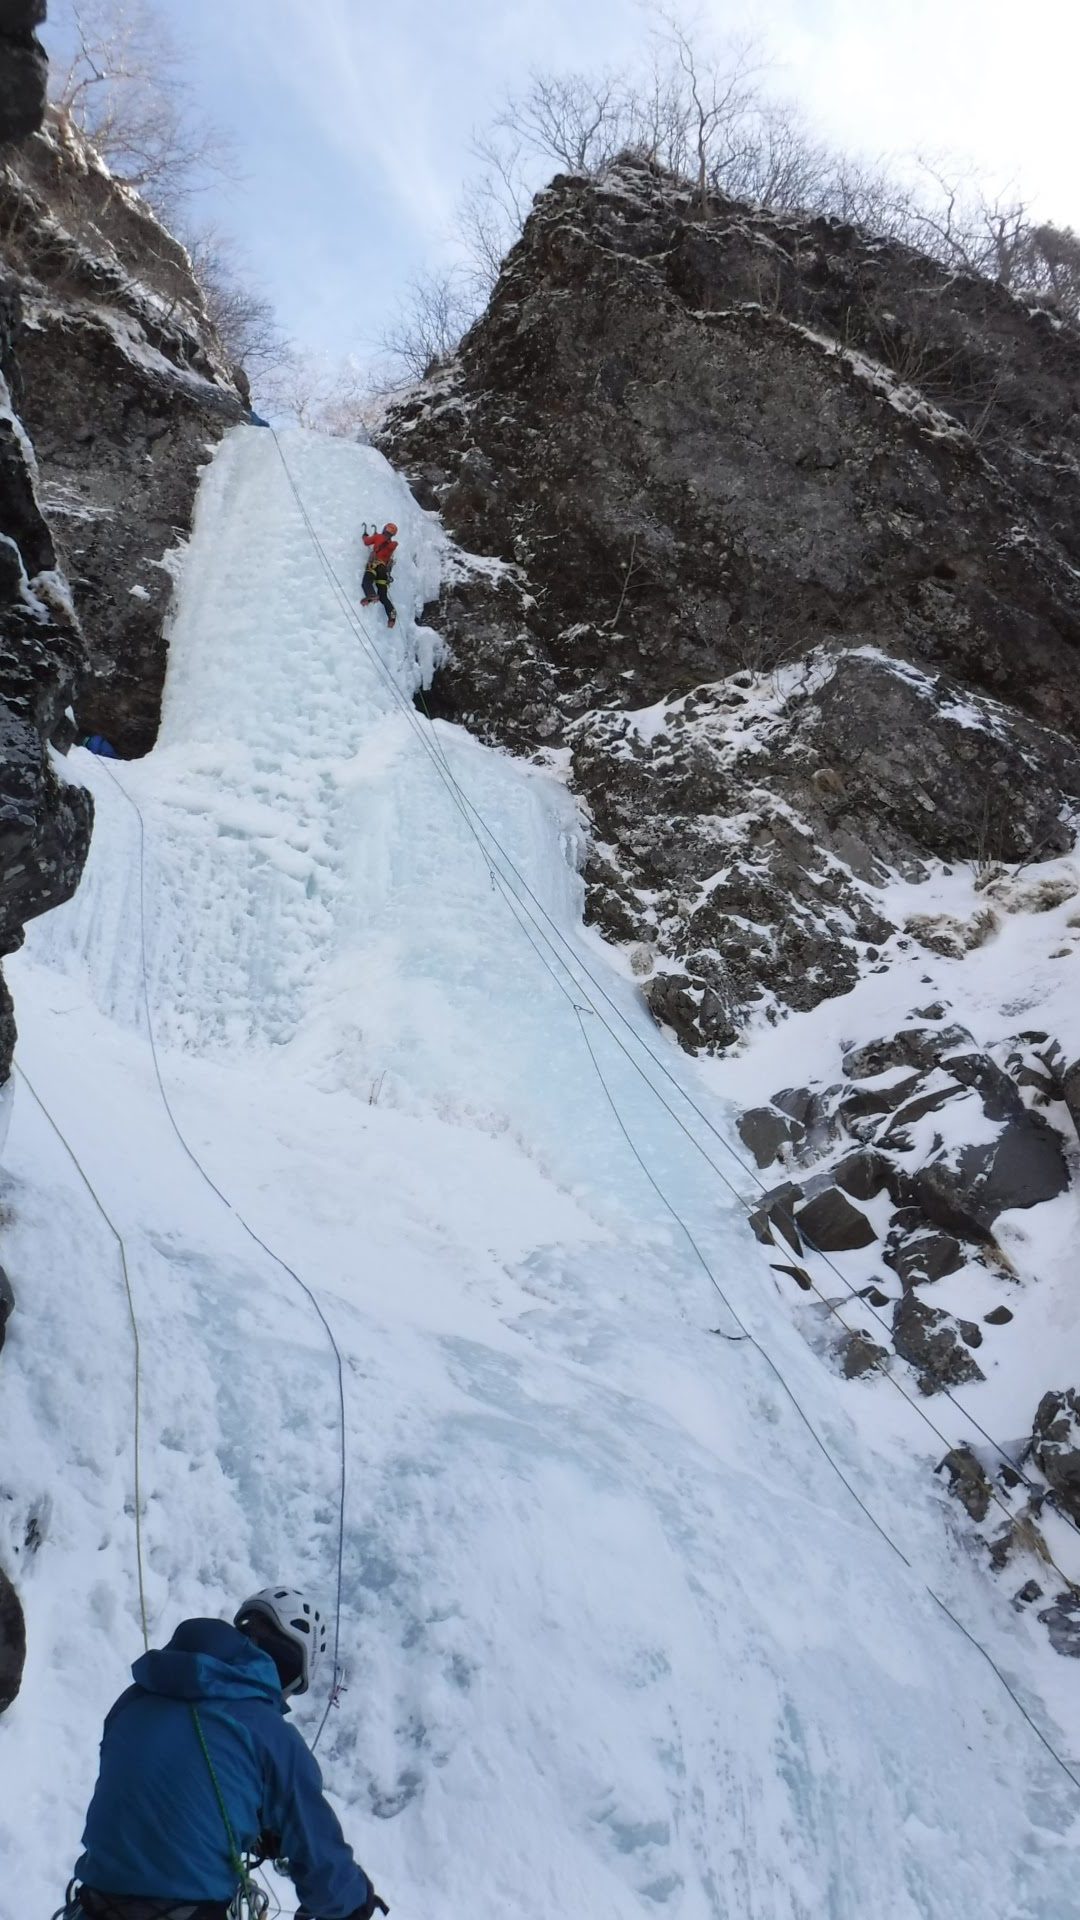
[619, 1642]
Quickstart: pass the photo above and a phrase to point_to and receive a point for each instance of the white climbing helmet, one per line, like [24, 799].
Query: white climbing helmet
[293, 1617]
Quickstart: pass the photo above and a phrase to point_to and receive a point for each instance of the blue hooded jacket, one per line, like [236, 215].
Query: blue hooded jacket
[155, 1827]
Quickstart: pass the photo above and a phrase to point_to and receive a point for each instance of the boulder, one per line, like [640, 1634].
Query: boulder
[813, 1111]
[1056, 1445]
[863, 1174]
[917, 1047]
[968, 1482]
[929, 1339]
[926, 1255]
[1026, 1166]
[995, 1088]
[1023, 1166]
[1030, 1591]
[896, 1137]
[1062, 1621]
[766, 1132]
[874, 1295]
[831, 1223]
[864, 1099]
[12, 1642]
[861, 1355]
[775, 1214]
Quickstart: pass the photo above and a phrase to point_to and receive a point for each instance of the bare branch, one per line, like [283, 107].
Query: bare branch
[437, 309]
[124, 86]
[241, 315]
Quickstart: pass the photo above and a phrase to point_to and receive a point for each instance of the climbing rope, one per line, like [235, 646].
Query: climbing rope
[337, 1681]
[135, 1342]
[474, 824]
[530, 912]
[535, 913]
[250, 1902]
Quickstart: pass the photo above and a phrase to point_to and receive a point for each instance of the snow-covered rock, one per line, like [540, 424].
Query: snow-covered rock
[613, 1622]
[124, 394]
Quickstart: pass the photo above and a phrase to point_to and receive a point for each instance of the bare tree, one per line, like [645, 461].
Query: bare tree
[661, 123]
[124, 86]
[494, 206]
[580, 120]
[242, 317]
[690, 113]
[430, 322]
[312, 390]
[722, 99]
[1050, 267]
[700, 113]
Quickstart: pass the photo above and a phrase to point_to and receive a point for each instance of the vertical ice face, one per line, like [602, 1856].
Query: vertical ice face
[618, 1637]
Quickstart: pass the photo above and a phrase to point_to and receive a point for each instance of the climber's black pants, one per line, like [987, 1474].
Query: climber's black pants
[373, 587]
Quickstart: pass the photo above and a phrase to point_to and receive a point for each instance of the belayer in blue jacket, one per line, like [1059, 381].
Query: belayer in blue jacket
[200, 1768]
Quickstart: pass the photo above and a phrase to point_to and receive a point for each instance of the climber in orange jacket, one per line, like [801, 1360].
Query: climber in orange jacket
[378, 568]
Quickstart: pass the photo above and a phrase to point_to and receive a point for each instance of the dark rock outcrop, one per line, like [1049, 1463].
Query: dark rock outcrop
[44, 822]
[124, 392]
[766, 1132]
[930, 1340]
[861, 1355]
[1023, 1166]
[968, 1481]
[763, 555]
[23, 69]
[628, 414]
[12, 1642]
[1062, 1622]
[7, 1305]
[924, 1255]
[910, 1100]
[1056, 1446]
[830, 1221]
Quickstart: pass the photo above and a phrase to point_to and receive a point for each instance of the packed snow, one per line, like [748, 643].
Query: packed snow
[619, 1641]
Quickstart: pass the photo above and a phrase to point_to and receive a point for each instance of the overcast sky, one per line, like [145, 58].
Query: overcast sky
[354, 123]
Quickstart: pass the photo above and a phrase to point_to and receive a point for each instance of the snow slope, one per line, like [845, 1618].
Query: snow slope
[619, 1640]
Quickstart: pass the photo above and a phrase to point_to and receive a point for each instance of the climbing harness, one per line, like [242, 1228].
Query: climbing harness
[84, 1903]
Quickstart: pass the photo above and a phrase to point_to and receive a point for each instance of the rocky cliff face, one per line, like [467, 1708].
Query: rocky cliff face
[711, 446]
[787, 556]
[112, 394]
[43, 830]
[124, 393]
[767, 536]
[44, 822]
[23, 69]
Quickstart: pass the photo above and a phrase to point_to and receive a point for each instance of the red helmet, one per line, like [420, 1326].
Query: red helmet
[390, 527]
